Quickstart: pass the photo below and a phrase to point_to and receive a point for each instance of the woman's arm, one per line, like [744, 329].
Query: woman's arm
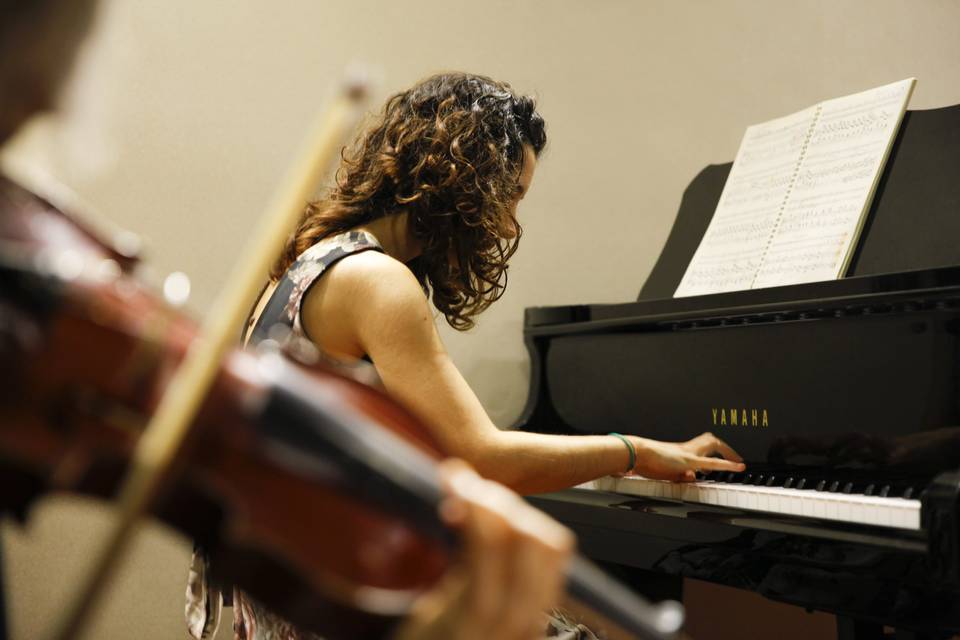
[372, 304]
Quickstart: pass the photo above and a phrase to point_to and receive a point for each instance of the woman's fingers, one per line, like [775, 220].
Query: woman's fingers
[726, 450]
[707, 443]
[716, 464]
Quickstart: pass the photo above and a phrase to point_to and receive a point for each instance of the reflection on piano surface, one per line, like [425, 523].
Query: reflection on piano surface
[842, 396]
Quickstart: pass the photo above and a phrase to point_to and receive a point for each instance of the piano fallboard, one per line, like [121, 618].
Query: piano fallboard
[864, 377]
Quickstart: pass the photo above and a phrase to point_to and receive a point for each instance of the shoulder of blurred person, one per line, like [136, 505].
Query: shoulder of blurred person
[39, 41]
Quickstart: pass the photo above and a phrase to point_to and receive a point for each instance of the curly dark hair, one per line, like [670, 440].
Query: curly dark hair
[449, 152]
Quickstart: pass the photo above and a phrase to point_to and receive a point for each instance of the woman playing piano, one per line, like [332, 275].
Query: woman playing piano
[426, 201]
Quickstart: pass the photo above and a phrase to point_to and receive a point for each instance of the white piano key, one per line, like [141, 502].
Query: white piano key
[723, 498]
[819, 508]
[830, 508]
[857, 512]
[743, 499]
[886, 516]
[763, 501]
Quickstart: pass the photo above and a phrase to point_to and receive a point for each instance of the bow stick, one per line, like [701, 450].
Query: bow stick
[165, 434]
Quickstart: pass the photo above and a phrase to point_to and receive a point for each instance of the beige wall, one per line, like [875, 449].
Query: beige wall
[204, 104]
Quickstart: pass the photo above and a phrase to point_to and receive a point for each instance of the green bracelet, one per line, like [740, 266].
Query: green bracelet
[633, 452]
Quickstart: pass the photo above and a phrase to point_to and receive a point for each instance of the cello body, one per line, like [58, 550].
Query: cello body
[85, 351]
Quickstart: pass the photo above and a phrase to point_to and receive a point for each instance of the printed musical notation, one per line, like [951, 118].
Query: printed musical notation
[797, 195]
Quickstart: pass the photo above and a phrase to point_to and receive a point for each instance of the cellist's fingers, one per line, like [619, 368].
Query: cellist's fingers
[493, 497]
[483, 556]
[537, 577]
[516, 554]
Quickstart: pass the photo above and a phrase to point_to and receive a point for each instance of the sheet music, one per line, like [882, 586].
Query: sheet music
[835, 183]
[797, 195]
[732, 247]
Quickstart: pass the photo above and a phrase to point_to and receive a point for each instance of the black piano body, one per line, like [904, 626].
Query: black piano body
[830, 389]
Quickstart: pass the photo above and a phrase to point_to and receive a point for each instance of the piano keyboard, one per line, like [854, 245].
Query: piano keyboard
[900, 513]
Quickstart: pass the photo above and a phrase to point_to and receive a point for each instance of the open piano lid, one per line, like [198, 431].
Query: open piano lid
[913, 222]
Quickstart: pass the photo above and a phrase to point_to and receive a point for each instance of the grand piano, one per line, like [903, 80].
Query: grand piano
[842, 396]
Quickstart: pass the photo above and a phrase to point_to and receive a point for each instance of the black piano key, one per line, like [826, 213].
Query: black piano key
[821, 485]
[848, 488]
[788, 483]
[884, 491]
[759, 479]
[908, 493]
[868, 491]
[771, 481]
[834, 486]
[802, 483]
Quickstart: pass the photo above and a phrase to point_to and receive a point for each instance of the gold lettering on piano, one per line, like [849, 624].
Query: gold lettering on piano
[741, 417]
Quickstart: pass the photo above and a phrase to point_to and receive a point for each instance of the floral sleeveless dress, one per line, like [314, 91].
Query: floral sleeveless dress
[281, 315]
[283, 308]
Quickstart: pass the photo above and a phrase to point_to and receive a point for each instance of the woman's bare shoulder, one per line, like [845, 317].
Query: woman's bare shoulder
[361, 295]
[372, 273]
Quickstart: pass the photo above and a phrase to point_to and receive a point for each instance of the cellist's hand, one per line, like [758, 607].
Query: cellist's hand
[510, 571]
[679, 461]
